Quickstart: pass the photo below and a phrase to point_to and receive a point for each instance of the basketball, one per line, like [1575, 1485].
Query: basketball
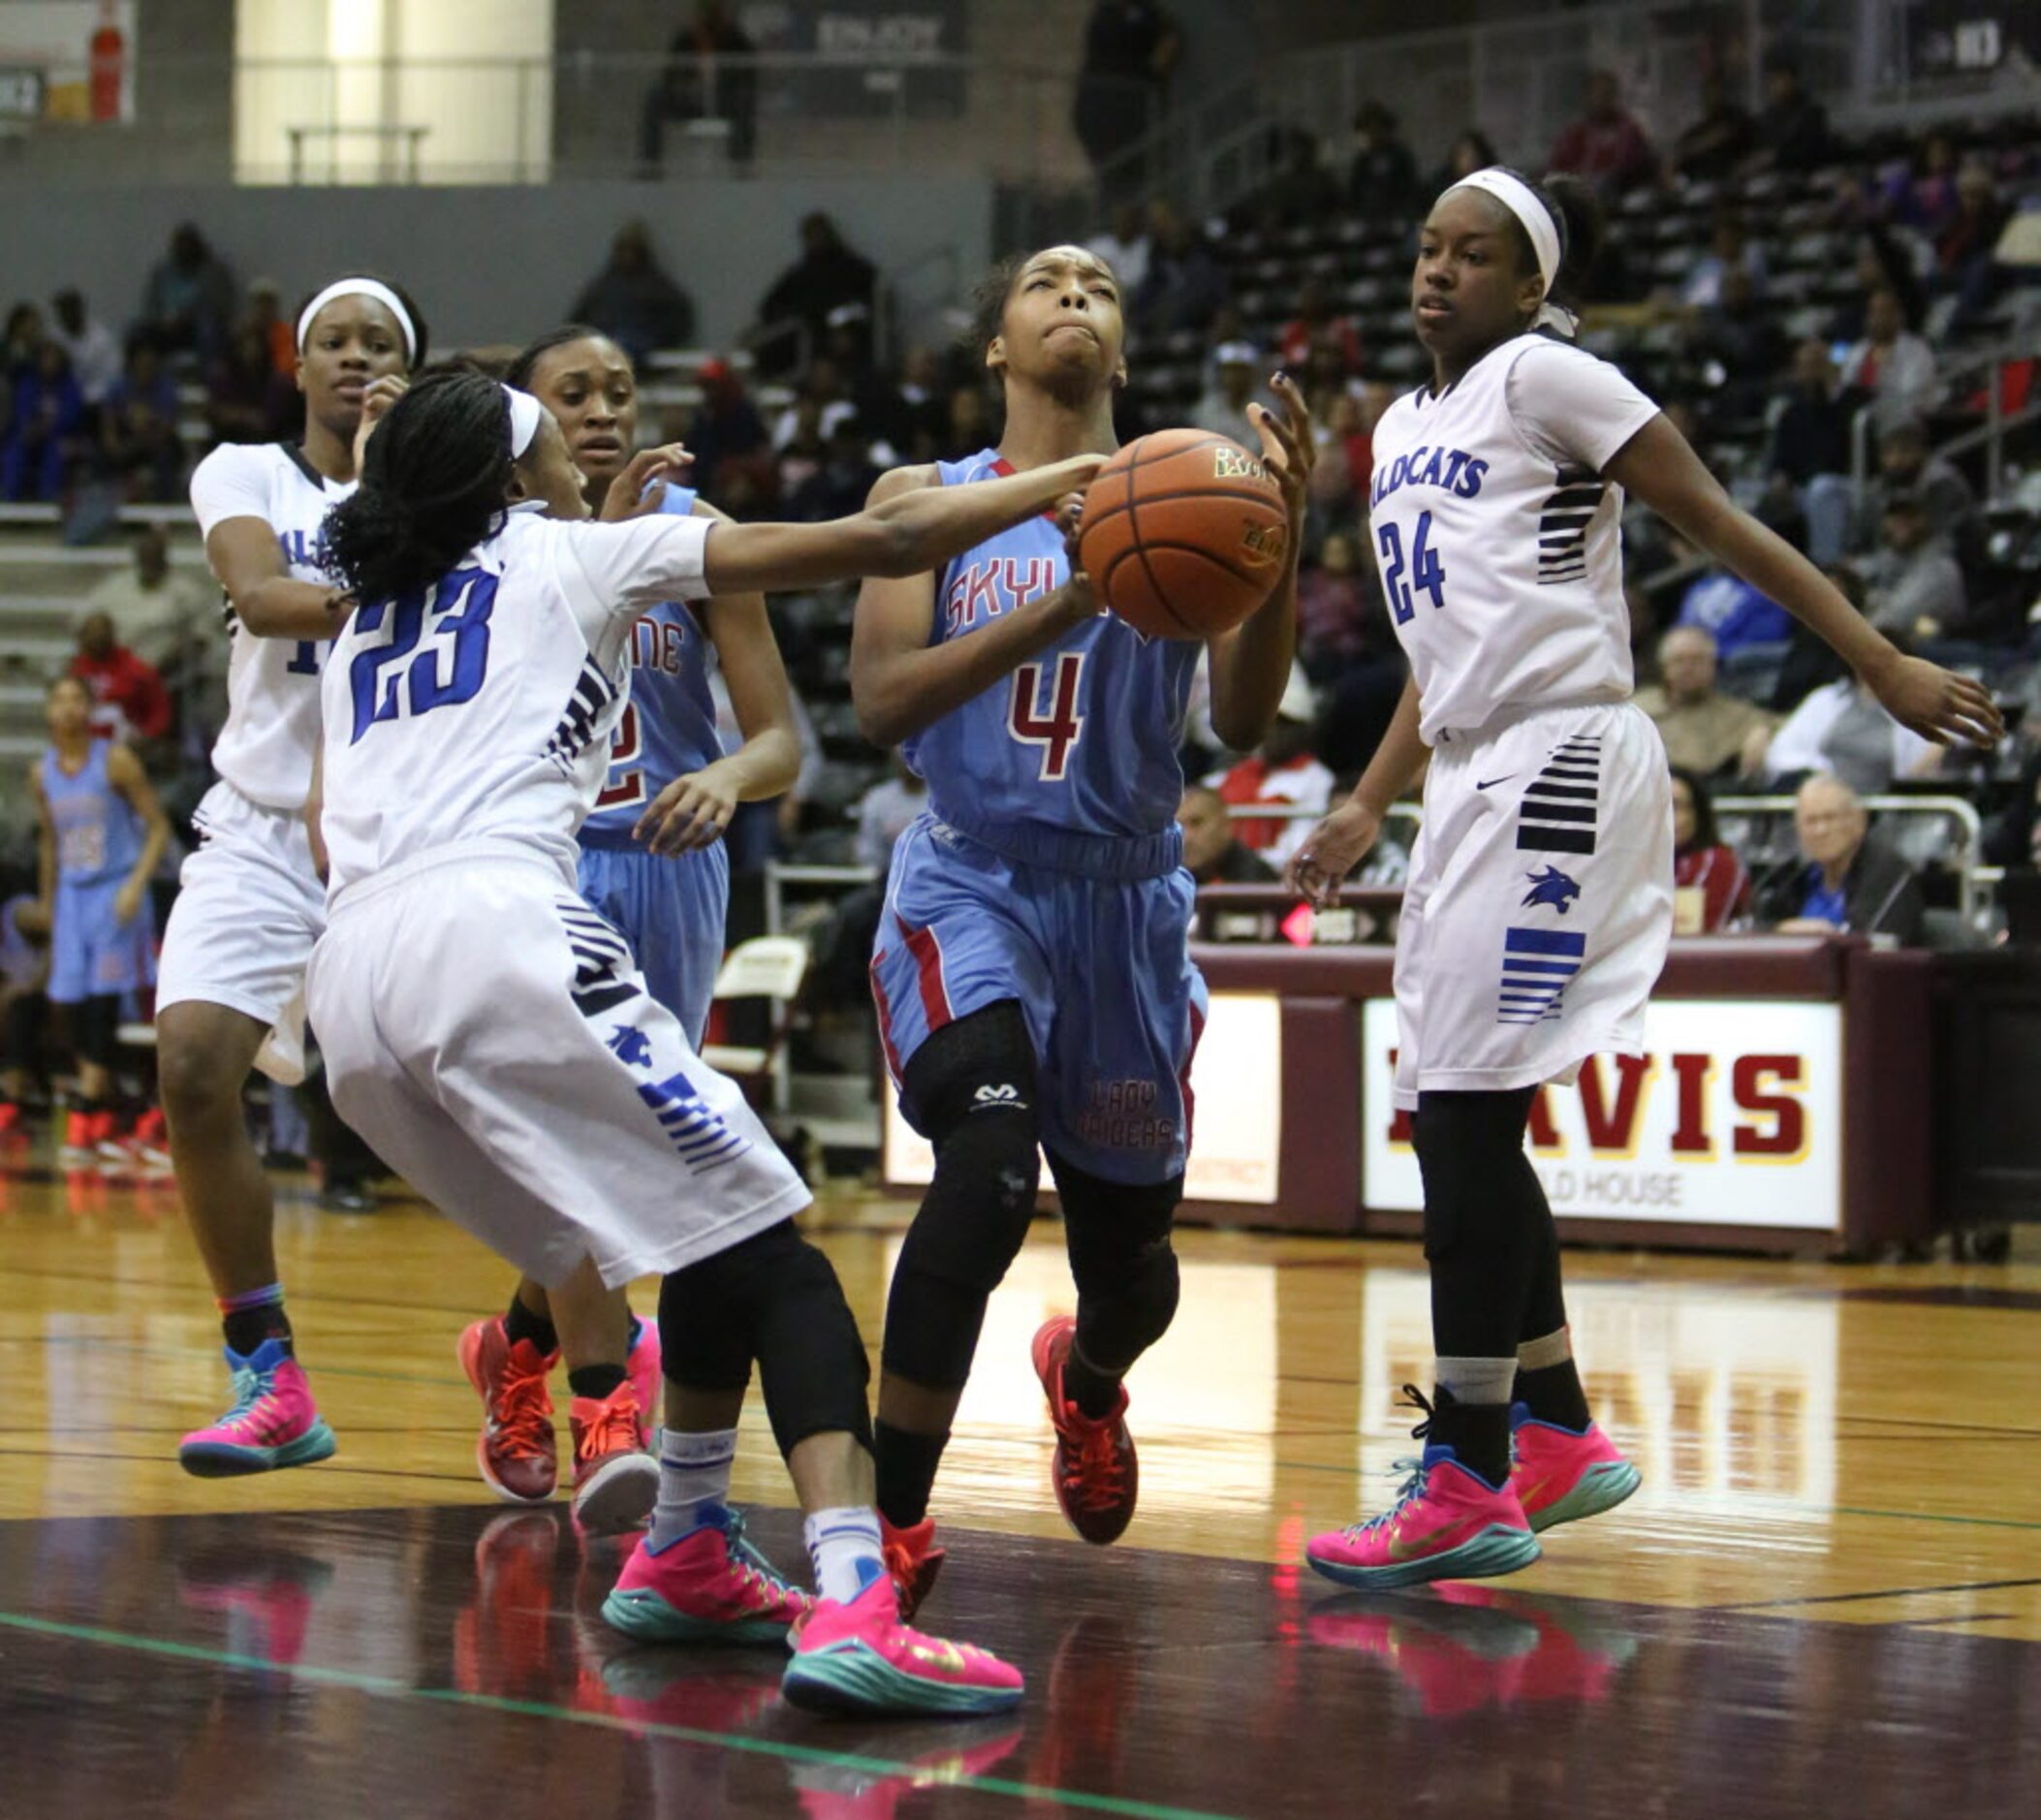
[1184, 534]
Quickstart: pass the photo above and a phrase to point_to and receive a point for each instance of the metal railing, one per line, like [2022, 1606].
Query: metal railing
[1985, 364]
[1958, 810]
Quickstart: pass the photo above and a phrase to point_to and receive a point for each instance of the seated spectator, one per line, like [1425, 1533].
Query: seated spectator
[1130, 48]
[1184, 288]
[1316, 328]
[129, 701]
[246, 399]
[1382, 180]
[1733, 613]
[1810, 453]
[1842, 728]
[138, 431]
[1906, 466]
[1913, 587]
[884, 811]
[1302, 193]
[970, 422]
[709, 74]
[826, 276]
[94, 353]
[151, 607]
[279, 333]
[1211, 853]
[907, 415]
[1729, 249]
[1705, 732]
[633, 301]
[1745, 340]
[188, 303]
[727, 431]
[1720, 140]
[1894, 366]
[840, 482]
[1966, 252]
[1223, 409]
[1124, 247]
[1927, 200]
[1710, 887]
[1337, 614]
[1845, 881]
[45, 436]
[799, 445]
[21, 340]
[823, 386]
[1605, 146]
[1792, 131]
[1282, 771]
[1473, 150]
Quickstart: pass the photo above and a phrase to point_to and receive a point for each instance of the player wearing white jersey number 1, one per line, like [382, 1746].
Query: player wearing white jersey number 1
[490, 1033]
[242, 928]
[1540, 899]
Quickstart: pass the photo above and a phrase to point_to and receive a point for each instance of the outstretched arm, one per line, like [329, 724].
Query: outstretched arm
[902, 534]
[1657, 467]
[900, 681]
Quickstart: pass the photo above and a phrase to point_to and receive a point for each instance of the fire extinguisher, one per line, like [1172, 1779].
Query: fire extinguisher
[109, 63]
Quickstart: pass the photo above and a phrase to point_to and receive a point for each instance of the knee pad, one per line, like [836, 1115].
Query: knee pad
[810, 1355]
[776, 1299]
[1119, 1236]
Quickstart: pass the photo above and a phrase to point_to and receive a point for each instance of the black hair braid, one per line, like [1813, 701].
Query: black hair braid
[432, 488]
[1578, 212]
[520, 371]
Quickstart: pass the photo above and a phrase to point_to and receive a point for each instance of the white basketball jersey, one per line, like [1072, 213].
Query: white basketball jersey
[482, 708]
[265, 750]
[1500, 542]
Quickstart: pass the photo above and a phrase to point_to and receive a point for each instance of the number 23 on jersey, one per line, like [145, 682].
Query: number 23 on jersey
[435, 653]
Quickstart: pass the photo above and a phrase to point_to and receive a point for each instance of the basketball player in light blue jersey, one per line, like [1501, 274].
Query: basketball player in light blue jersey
[1032, 969]
[100, 837]
[654, 864]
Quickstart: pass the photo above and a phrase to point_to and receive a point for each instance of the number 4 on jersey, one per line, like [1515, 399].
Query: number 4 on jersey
[1056, 732]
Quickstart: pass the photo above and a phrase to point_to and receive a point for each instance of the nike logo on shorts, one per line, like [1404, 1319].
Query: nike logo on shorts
[1493, 781]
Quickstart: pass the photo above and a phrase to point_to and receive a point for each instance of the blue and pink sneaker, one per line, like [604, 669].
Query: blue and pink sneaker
[861, 1659]
[646, 1367]
[273, 1423]
[709, 1586]
[1560, 1475]
[1448, 1523]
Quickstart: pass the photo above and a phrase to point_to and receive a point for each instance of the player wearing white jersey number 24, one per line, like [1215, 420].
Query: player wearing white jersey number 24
[242, 928]
[1540, 899]
[490, 1033]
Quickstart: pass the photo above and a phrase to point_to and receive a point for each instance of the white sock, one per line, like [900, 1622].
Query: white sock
[1477, 1380]
[694, 1473]
[845, 1546]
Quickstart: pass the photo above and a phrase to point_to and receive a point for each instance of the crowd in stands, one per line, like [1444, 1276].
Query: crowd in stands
[1766, 281]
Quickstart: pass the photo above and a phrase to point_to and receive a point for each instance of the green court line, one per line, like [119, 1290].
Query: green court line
[1937, 1516]
[388, 1687]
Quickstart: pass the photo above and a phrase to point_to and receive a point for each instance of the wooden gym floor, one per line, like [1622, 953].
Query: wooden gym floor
[1825, 1600]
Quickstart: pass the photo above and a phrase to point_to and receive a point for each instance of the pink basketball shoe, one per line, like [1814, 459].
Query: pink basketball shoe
[1560, 1475]
[1447, 1524]
[709, 1586]
[273, 1423]
[859, 1658]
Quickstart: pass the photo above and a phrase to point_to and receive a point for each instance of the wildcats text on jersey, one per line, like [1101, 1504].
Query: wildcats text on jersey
[1454, 469]
[995, 585]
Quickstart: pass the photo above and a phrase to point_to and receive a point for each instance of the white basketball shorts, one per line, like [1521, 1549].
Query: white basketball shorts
[1540, 901]
[491, 1037]
[249, 908]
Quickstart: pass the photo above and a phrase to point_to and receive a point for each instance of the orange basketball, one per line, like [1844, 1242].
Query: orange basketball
[1184, 534]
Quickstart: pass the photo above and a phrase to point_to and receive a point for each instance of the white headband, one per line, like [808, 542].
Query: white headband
[1528, 206]
[525, 411]
[360, 287]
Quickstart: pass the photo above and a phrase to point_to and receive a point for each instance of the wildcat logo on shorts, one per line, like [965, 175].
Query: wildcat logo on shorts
[1553, 889]
[1229, 463]
[1263, 545]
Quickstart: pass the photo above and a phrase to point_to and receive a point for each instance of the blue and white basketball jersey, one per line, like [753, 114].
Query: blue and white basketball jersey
[1076, 750]
[98, 834]
[669, 724]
